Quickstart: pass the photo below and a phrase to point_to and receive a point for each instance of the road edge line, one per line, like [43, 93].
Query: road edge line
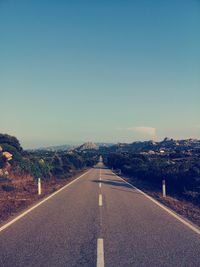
[40, 203]
[171, 212]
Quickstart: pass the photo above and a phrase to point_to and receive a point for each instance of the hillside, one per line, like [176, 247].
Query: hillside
[187, 147]
[87, 146]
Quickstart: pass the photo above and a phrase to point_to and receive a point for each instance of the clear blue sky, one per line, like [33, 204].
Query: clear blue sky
[72, 71]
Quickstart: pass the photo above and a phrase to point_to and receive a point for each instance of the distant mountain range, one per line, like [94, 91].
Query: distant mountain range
[165, 146]
[67, 147]
[56, 148]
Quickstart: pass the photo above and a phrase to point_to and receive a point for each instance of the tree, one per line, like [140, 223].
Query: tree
[10, 140]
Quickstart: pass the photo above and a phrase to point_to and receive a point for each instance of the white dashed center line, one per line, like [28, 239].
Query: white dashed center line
[100, 200]
[100, 253]
[100, 249]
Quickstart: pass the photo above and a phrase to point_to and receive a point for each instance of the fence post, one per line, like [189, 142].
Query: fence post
[163, 188]
[39, 187]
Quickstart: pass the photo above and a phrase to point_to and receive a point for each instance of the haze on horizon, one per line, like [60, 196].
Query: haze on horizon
[100, 71]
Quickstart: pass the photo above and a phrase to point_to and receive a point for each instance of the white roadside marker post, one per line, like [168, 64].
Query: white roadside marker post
[39, 186]
[163, 188]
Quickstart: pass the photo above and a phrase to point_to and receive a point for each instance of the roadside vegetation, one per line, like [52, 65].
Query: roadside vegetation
[182, 176]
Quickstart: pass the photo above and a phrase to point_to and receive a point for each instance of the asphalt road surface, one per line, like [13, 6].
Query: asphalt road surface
[99, 220]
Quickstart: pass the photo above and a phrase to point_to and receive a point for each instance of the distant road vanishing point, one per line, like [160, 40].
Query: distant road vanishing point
[98, 220]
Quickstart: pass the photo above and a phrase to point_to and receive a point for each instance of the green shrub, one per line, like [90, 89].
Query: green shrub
[25, 166]
[10, 140]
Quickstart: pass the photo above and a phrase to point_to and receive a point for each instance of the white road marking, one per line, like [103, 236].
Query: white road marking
[38, 204]
[188, 224]
[100, 185]
[100, 253]
[100, 200]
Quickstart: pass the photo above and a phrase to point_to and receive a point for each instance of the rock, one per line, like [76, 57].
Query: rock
[7, 155]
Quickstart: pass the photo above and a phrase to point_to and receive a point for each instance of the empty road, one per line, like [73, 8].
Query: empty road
[99, 220]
